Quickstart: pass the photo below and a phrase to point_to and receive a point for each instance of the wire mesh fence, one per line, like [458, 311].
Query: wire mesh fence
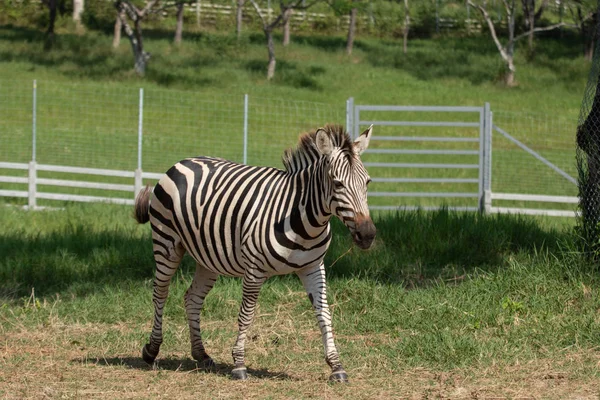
[588, 153]
[122, 128]
[533, 154]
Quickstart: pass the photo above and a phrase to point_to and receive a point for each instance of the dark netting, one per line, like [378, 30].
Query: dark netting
[588, 154]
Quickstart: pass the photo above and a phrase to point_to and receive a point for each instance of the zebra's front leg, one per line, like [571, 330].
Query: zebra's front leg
[313, 280]
[250, 290]
[203, 282]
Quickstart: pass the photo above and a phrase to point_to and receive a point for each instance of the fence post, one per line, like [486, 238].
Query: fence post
[355, 121]
[138, 172]
[482, 157]
[349, 107]
[32, 203]
[246, 129]
[487, 189]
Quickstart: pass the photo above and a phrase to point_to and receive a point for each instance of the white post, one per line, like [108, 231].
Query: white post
[482, 163]
[32, 164]
[349, 107]
[488, 159]
[34, 120]
[32, 203]
[245, 129]
[138, 172]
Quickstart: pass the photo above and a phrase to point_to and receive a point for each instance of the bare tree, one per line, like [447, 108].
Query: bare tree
[238, 17]
[269, 26]
[406, 27]
[118, 29]
[53, 7]
[78, 6]
[585, 13]
[126, 9]
[351, 30]
[349, 8]
[287, 15]
[531, 18]
[506, 50]
[179, 25]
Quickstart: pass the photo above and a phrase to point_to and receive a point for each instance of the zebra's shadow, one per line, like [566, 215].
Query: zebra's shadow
[183, 365]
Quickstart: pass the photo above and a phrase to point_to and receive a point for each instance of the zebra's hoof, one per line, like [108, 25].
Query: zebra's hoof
[240, 374]
[147, 355]
[338, 376]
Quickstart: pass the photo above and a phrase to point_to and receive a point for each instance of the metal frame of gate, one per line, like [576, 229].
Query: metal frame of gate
[354, 123]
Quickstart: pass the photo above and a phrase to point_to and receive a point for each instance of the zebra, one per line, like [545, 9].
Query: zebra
[256, 222]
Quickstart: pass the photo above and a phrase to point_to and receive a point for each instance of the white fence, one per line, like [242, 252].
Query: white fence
[65, 142]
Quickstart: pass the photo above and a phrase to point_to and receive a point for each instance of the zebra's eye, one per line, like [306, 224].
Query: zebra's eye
[337, 184]
[368, 181]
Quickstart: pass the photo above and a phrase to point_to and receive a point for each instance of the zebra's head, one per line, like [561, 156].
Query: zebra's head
[346, 185]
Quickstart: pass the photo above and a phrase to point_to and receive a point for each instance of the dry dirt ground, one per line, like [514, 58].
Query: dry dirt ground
[53, 361]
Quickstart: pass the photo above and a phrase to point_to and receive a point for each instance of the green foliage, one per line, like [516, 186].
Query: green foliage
[99, 15]
[27, 12]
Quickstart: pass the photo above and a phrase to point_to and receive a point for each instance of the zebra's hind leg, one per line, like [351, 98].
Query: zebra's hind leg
[313, 280]
[203, 282]
[250, 289]
[168, 255]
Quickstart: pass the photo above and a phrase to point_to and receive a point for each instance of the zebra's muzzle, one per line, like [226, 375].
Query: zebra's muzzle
[364, 234]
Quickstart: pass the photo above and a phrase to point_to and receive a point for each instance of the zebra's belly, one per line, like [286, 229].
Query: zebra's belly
[224, 259]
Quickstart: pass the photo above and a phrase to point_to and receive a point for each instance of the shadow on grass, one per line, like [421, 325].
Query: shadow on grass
[185, 365]
[79, 258]
[417, 248]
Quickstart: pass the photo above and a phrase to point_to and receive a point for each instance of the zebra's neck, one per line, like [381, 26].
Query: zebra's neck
[313, 206]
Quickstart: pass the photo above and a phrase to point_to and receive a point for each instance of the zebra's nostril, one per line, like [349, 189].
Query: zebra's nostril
[358, 236]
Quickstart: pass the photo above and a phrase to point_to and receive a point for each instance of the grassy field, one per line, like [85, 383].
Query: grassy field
[88, 98]
[446, 305]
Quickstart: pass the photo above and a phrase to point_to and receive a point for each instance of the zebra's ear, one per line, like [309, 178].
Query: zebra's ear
[324, 143]
[362, 142]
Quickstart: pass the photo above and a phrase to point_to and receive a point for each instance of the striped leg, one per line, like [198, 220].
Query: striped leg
[313, 280]
[250, 289]
[168, 256]
[203, 281]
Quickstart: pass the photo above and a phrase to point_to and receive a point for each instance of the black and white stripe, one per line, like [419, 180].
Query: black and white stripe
[256, 222]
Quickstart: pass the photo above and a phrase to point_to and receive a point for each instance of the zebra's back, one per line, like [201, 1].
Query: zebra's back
[231, 217]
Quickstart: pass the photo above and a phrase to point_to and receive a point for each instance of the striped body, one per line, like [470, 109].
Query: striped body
[232, 218]
[256, 222]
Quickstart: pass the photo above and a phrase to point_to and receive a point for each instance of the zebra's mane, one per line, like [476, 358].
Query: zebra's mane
[306, 152]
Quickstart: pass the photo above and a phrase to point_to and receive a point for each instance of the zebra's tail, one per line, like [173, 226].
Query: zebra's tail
[142, 205]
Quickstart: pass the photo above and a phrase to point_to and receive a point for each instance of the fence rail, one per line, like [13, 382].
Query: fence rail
[108, 148]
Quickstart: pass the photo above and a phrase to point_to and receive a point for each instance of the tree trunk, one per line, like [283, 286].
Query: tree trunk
[351, 29]
[238, 17]
[77, 10]
[179, 26]
[509, 78]
[49, 42]
[135, 37]
[406, 27]
[286, 26]
[271, 50]
[118, 28]
[587, 32]
[510, 49]
[531, 29]
[141, 57]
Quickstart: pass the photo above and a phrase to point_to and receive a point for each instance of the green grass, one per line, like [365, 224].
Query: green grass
[441, 292]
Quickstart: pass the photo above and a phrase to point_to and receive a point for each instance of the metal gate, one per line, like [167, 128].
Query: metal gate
[426, 157]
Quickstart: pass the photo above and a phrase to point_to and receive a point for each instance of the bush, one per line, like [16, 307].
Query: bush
[99, 15]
